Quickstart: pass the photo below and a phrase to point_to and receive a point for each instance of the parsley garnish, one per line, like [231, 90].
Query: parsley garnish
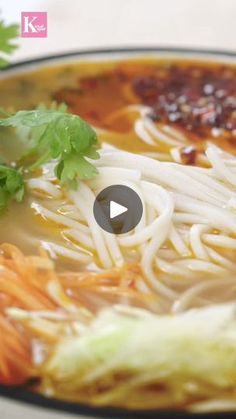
[57, 135]
[8, 33]
[11, 185]
[52, 133]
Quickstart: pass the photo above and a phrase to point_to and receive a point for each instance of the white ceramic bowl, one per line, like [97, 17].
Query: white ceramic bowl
[17, 403]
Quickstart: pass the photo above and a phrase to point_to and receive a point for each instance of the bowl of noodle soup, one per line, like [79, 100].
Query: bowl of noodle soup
[138, 324]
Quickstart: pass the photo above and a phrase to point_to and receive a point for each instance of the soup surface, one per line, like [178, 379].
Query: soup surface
[76, 302]
[193, 96]
[197, 99]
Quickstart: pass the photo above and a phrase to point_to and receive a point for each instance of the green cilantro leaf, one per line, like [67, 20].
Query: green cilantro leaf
[61, 136]
[11, 186]
[8, 33]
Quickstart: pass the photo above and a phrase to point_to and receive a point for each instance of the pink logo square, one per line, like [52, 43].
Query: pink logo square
[34, 24]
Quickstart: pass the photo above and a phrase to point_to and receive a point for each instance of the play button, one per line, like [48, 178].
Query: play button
[118, 209]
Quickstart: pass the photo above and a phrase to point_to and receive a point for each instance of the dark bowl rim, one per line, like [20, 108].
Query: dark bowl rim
[20, 394]
[205, 53]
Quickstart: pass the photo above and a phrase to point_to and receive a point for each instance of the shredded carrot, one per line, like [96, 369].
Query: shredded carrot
[22, 285]
[31, 283]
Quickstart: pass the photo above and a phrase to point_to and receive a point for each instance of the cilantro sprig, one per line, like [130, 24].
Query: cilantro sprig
[53, 135]
[56, 135]
[11, 185]
[8, 34]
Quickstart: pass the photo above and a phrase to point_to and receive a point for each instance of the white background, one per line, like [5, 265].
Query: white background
[74, 24]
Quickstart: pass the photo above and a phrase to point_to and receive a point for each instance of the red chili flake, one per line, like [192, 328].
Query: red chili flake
[189, 155]
[89, 83]
[195, 98]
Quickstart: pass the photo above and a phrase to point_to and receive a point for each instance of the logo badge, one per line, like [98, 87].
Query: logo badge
[34, 24]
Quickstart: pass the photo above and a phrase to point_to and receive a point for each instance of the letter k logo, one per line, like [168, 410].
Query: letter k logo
[28, 24]
[34, 24]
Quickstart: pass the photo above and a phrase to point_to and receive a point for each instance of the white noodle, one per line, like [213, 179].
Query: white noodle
[178, 242]
[167, 174]
[176, 155]
[201, 266]
[80, 237]
[219, 166]
[157, 133]
[160, 233]
[198, 247]
[214, 405]
[175, 133]
[45, 186]
[188, 296]
[221, 260]
[142, 132]
[220, 241]
[183, 209]
[56, 249]
[84, 199]
[58, 218]
[185, 218]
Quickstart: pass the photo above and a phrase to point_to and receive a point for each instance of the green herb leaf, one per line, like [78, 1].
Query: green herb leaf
[8, 33]
[61, 136]
[11, 186]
